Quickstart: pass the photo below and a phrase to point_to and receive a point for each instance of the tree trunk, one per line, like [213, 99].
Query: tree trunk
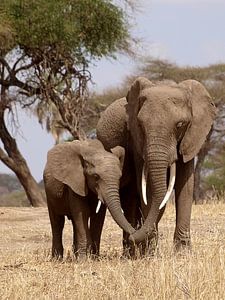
[15, 161]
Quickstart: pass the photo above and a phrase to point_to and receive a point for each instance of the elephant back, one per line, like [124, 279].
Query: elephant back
[112, 125]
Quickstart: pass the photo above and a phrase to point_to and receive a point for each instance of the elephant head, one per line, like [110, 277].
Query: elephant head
[86, 165]
[166, 122]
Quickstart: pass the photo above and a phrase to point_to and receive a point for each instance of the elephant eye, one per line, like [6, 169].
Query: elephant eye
[96, 176]
[181, 124]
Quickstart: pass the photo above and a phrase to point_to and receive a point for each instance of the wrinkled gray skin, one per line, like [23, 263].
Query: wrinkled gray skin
[159, 124]
[76, 175]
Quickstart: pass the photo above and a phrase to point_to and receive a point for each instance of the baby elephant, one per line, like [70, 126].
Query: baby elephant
[78, 177]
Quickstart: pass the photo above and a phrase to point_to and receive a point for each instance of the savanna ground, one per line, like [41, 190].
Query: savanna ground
[26, 271]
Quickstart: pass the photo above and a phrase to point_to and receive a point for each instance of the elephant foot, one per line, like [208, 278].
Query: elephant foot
[57, 255]
[182, 246]
[82, 253]
[149, 253]
[149, 249]
[81, 258]
[130, 250]
[94, 251]
[56, 258]
[149, 246]
[94, 255]
[129, 253]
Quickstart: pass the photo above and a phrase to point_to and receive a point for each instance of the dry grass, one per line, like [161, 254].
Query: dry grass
[26, 271]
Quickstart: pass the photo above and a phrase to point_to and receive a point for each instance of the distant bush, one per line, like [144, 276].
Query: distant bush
[9, 182]
[14, 199]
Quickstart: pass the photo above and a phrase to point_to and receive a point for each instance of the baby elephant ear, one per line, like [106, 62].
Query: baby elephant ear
[120, 153]
[203, 114]
[64, 163]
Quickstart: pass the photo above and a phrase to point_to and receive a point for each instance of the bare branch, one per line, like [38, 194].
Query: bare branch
[25, 67]
[22, 57]
[7, 160]
[5, 63]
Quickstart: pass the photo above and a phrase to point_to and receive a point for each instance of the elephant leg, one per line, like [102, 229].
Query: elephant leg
[129, 202]
[184, 197]
[80, 215]
[74, 246]
[57, 224]
[96, 225]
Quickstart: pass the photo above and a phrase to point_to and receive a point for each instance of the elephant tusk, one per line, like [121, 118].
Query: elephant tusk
[171, 185]
[98, 206]
[143, 185]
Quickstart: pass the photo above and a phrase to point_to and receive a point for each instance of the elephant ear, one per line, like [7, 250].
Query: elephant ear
[203, 114]
[120, 153]
[135, 103]
[64, 163]
[132, 96]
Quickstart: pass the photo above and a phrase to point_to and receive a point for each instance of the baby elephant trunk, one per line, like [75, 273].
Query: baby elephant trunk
[113, 203]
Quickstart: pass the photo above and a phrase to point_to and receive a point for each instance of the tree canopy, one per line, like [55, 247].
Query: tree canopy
[86, 28]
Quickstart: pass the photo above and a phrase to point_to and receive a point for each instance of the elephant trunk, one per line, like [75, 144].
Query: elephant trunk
[157, 164]
[113, 203]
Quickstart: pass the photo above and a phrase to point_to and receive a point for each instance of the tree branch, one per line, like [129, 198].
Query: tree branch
[17, 62]
[23, 68]
[4, 63]
[7, 160]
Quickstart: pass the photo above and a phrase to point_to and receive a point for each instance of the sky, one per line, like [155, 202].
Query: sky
[185, 32]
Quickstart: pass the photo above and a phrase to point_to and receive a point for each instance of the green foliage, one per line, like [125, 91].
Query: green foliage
[6, 34]
[87, 27]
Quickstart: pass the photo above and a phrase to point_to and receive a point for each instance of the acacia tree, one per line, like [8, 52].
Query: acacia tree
[45, 50]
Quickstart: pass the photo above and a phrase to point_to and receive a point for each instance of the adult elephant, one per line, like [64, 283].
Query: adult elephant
[160, 124]
[76, 175]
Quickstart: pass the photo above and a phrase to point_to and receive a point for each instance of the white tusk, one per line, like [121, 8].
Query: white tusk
[98, 206]
[171, 185]
[143, 185]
